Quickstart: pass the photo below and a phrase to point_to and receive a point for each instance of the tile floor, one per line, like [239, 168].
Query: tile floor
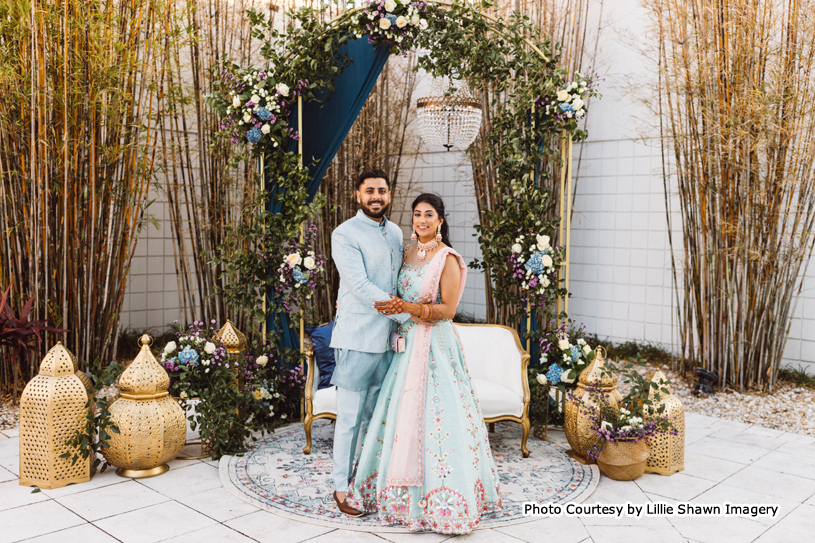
[724, 462]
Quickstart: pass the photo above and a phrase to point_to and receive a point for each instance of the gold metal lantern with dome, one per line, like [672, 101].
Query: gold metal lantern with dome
[152, 427]
[576, 424]
[235, 344]
[667, 451]
[450, 116]
[52, 409]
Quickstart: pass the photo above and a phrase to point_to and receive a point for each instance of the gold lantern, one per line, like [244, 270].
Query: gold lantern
[52, 409]
[576, 423]
[667, 451]
[152, 428]
[86, 381]
[235, 343]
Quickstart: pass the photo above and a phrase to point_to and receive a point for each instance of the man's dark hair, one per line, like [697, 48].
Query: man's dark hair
[373, 174]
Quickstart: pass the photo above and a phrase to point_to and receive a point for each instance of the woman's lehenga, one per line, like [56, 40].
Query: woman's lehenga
[426, 461]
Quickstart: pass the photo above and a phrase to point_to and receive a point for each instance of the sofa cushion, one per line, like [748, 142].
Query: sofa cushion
[325, 401]
[497, 400]
[323, 354]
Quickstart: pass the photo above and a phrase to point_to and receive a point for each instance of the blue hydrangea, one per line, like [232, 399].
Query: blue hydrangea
[298, 276]
[566, 107]
[575, 353]
[535, 263]
[391, 17]
[554, 374]
[254, 135]
[264, 114]
[188, 356]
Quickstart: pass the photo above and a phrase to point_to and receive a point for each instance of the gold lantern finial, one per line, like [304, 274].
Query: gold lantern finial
[152, 429]
[52, 409]
[667, 451]
[576, 423]
[232, 338]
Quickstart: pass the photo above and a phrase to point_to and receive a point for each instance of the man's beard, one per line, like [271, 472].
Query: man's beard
[375, 214]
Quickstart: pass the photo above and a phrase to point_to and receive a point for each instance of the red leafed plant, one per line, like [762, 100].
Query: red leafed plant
[19, 334]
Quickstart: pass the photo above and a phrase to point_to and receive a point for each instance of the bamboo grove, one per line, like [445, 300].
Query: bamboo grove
[737, 98]
[78, 97]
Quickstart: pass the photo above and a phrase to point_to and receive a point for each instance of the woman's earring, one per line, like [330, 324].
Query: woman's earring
[413, 236]
[438, 234]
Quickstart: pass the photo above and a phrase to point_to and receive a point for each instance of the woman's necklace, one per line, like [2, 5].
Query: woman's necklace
[424, 248]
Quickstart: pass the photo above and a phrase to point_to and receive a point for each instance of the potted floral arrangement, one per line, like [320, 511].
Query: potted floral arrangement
[621, 450]
[564, 354]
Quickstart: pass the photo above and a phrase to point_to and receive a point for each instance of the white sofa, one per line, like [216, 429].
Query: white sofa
[496, 362]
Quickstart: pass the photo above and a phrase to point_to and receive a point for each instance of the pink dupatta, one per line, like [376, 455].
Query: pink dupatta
[406, 467]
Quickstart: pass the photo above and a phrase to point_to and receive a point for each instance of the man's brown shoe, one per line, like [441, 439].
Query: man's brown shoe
[345, 508]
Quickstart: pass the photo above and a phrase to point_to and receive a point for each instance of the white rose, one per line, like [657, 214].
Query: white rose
[265, 128]
[565, 377]
[236, 101]
[255, 99]
[586, 349]
[247, 118]
[533, 247]
[577, 104]
[309, 263]
[170, 347]
[607, 425]
[414, 20]
[580, 114]
[545, 281]
[581, 341]
[544, 358]
[384, 23]
[293, 260]
[516, 248]
[209, 348]
[283, 89]
[562, 96]
[205, 362]
[423, 24]
[262, 360]
[547, 261]
[563, 344]
[282, 416]
[541, 379]
[182, 394]
[543, 242]
[401, 22]
[390, 5]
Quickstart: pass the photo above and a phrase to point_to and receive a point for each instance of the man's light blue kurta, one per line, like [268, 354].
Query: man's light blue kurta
[368, 256]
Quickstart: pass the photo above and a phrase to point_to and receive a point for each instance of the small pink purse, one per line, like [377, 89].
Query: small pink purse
[397, 342]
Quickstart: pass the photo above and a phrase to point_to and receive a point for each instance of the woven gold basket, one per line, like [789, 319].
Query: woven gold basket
[624, 461]
[152, 428]
[52, 409]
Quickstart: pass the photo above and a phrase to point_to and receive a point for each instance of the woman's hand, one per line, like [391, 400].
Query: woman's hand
[391, 307]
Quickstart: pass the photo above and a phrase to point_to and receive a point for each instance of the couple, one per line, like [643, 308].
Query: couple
[425, 460]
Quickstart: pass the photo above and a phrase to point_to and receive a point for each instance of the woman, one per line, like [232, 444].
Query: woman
[426, 460]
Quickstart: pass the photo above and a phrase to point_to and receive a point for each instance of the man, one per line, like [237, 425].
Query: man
[367, 250]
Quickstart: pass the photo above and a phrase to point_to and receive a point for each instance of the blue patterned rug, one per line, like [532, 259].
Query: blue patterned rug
[275, 475]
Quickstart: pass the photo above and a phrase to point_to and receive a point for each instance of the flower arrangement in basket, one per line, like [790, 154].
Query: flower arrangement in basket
[300, 272]
[196, 361]
[622, 431]
[535, 263]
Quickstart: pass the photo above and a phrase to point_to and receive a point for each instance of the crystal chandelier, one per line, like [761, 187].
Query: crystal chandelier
[449, 118]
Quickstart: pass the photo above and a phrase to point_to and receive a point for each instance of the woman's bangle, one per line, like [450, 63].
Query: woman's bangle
[425, 311]
[430, 313]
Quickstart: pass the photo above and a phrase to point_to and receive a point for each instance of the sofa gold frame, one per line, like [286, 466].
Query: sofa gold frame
[523, 420]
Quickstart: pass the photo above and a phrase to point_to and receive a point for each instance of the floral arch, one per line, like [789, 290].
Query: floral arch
[529, 147]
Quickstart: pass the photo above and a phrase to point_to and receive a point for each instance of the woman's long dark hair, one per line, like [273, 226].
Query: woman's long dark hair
[436, 203]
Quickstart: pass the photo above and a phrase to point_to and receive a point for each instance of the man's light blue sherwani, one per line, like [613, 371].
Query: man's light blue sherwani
[368, 256]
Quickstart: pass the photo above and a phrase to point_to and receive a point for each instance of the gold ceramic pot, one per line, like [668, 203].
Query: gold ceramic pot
[152, 427]
[52, 409]
[624, 461]
[667, 451]
[576, 423]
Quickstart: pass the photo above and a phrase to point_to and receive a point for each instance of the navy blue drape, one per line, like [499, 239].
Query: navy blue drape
[326, 124]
